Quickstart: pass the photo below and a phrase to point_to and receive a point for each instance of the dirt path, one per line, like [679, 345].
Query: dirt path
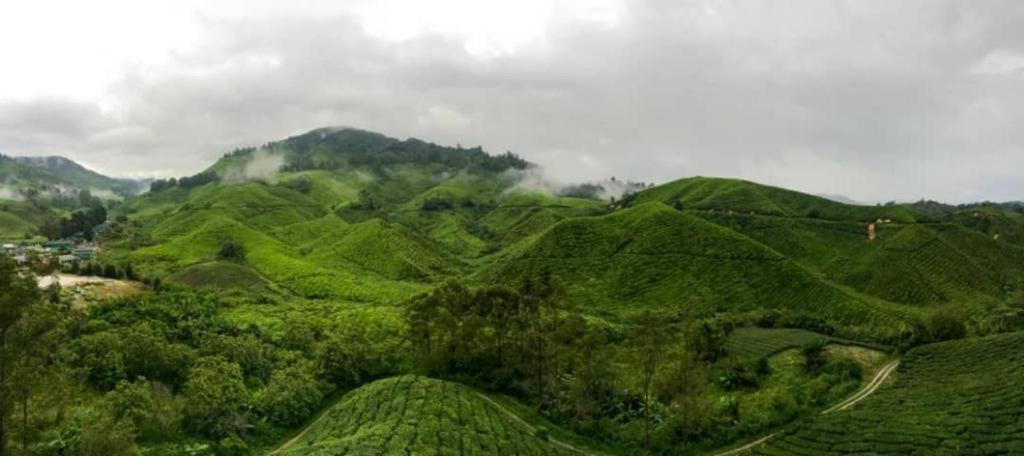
[528, 426]
[867, 390]
[860, 395]
[747, 446]
[294, 440]
[513, 416]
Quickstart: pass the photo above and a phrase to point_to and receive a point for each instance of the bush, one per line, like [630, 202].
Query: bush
[216, 398]
[292, 396]
[944, 324]
[814, 357]
[231, 251]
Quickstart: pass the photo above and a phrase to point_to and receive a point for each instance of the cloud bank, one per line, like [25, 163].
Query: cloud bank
[875, 100]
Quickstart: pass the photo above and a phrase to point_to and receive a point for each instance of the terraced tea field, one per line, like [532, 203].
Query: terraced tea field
[751, 344]
[417, 415]
[959, 397]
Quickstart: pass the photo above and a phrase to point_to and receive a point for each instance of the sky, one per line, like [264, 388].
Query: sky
[875, 100]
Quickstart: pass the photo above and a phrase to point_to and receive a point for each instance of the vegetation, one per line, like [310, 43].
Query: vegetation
[417, 415]
[417, 285]
[961, 397]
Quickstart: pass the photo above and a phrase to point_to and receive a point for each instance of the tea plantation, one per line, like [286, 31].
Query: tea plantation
[418, 415]
[960, 397]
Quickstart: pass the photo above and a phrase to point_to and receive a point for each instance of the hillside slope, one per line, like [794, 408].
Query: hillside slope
[960, 397]
[418, 415]
[654, 257]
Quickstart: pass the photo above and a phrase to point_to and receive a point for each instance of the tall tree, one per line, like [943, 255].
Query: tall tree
[649, 340]
[18, 290]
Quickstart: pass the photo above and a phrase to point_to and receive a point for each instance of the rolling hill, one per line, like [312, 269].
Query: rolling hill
[350, 214]
[417, 415]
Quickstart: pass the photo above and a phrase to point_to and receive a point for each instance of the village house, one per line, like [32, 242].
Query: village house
[86, 251]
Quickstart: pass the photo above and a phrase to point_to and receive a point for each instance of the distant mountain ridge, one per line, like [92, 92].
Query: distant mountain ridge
[58, 174]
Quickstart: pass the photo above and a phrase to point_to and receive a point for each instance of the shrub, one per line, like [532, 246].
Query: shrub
[231, 251]
[216, 398]
[814, 357]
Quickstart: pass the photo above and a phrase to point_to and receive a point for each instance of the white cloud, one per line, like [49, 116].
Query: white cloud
[873, 99]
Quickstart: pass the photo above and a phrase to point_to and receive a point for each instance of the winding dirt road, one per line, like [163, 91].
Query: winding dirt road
[860, 395]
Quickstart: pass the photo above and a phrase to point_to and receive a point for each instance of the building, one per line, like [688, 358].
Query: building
[67, 259]
[85, 253]
[60, 246]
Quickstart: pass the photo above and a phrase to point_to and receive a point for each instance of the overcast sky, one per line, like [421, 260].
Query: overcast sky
[875, 100]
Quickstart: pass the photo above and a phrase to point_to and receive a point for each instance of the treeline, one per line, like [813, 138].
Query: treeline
[162, 370]
[91, 213]
[336, 149]
[197, 180]
[662, 382]
[646, 386]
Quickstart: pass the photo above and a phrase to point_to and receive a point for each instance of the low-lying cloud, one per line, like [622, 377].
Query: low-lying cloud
[261, 166]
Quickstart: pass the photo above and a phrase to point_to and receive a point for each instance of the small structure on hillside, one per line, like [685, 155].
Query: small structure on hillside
[67, 259]
[62, 245]
[86, 251]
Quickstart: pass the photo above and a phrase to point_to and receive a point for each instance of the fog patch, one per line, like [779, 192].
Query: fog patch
[263, 166]
[103, 193]
[536, 179]
[533, 179]
[10, 194]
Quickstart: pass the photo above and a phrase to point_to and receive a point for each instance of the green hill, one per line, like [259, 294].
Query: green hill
[357, 215]
[961, 397]
[654, 257]
[418, 415]
[917, 264]
[55, 173]
[739, 196]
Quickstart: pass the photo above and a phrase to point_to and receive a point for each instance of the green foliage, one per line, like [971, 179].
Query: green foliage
[292, 395]
[231, 251]
[959, 397]
[216, 398]
[419, 416]
[814, 356]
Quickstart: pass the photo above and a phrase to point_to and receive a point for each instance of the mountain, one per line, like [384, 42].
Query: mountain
[55, 175]
[450, 307]
[342, 213]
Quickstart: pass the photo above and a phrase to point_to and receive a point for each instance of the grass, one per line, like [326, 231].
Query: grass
[416, 415]
[959, 397]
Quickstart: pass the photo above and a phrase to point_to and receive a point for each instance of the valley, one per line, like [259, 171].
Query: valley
[343, 292]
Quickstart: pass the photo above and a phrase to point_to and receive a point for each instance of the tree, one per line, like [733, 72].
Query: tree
[17, 292]
[814, 357]
[231, 251]
[216, 398]
[292, 396]
[648, 343]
